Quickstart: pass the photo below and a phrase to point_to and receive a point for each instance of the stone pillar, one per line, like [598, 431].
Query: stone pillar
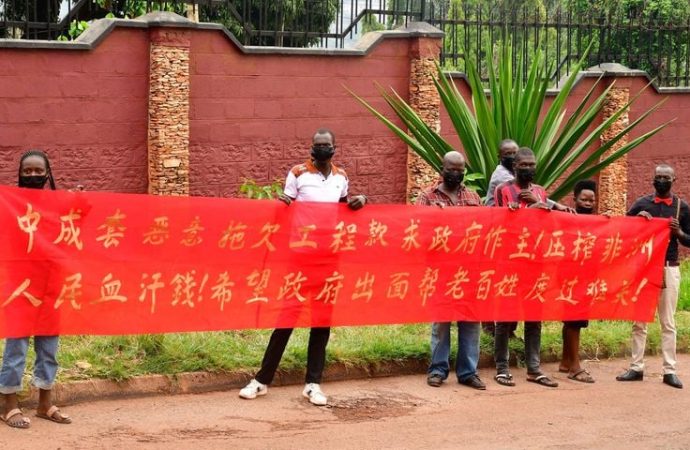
[424, 99]
[168, 126]
[613, 180]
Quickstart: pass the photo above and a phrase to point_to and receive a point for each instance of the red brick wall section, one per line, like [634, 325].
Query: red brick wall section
[671, 146]
[254, 115]
[251, 115]
[87, 109]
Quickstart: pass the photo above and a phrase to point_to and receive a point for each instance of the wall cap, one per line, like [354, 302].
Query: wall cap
[101, 28]
[605, 70]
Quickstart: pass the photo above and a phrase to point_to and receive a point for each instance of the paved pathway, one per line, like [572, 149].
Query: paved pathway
[396, 413]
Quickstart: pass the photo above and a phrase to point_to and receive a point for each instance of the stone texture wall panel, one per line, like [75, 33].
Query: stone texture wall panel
[385, 184]
[168, 129]
[255, 170]
[279, 168]
[388, 198]
[267, 151]
[424, 99]
[359, 185]
[299, 151]
[613, 179]
[232, 190]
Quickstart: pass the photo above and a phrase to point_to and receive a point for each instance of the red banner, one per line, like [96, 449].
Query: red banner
[101, 263]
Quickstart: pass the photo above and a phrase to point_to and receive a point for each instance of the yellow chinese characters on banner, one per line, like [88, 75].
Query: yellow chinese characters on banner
[122, 263]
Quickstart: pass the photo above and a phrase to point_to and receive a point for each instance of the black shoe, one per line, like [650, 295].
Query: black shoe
[474, 382]
[434, 380]
[631, 375]
[672, 380]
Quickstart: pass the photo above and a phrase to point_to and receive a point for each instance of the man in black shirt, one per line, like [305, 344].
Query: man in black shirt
[666, 205]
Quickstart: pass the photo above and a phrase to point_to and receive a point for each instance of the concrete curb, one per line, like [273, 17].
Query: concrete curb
[74, 392]
[199, 382]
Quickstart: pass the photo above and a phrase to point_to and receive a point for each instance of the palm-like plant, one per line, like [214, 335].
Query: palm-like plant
[566, 150]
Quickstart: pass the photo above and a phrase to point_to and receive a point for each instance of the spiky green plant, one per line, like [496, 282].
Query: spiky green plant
[565, 148]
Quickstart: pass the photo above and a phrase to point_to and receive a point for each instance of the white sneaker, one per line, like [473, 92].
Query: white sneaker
[253, 390]
[312, 391]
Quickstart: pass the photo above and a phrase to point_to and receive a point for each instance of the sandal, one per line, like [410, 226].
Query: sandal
[543, 380]
[54, 415]
[582, 376]
[25, 422]
[504, 379]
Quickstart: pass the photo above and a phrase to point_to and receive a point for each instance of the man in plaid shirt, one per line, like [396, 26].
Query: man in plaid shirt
[451, 192]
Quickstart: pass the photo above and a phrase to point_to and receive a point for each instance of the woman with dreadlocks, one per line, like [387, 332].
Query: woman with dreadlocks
[34, 173]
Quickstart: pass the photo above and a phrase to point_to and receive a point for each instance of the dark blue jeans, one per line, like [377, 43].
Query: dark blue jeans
[468, 349]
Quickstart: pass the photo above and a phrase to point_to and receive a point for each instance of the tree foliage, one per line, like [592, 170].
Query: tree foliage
[651, 35]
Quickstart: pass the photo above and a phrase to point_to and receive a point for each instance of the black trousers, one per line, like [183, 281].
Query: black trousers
[316, 354]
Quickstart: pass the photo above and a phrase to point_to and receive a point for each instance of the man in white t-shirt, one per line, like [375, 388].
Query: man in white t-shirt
[317, 180]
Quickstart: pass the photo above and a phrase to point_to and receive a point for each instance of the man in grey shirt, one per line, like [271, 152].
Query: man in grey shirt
[504, 172]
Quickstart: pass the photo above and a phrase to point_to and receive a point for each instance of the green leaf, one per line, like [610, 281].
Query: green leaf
[567, 145]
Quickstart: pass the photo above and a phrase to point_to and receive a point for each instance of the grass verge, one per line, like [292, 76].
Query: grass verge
[122, 357]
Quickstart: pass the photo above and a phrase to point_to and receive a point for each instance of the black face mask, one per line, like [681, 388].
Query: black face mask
[663, 187]
[33, 181]
[453, 179]
[583, 210]
[507, 162]
[322, 153]
[525, 175]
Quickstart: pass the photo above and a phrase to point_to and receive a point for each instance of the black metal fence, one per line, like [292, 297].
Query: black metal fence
[660, 46]
[638, 39]
[284, 23]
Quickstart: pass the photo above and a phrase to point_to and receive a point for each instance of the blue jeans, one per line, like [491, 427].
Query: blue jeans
[468, 349]
[14, 360]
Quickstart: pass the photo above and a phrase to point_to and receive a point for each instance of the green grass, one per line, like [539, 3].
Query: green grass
[122, 357]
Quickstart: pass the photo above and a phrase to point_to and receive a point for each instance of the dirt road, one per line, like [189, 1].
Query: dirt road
[395, 413]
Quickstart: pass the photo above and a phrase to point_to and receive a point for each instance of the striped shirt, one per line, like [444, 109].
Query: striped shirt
[433, 196]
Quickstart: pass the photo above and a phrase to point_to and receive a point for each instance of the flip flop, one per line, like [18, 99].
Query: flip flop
[504, 379]
[582, 376]
[50, 415]
[24, 423]
[543, 380]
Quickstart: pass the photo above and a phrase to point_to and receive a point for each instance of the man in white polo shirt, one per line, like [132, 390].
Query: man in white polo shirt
[317, 180]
